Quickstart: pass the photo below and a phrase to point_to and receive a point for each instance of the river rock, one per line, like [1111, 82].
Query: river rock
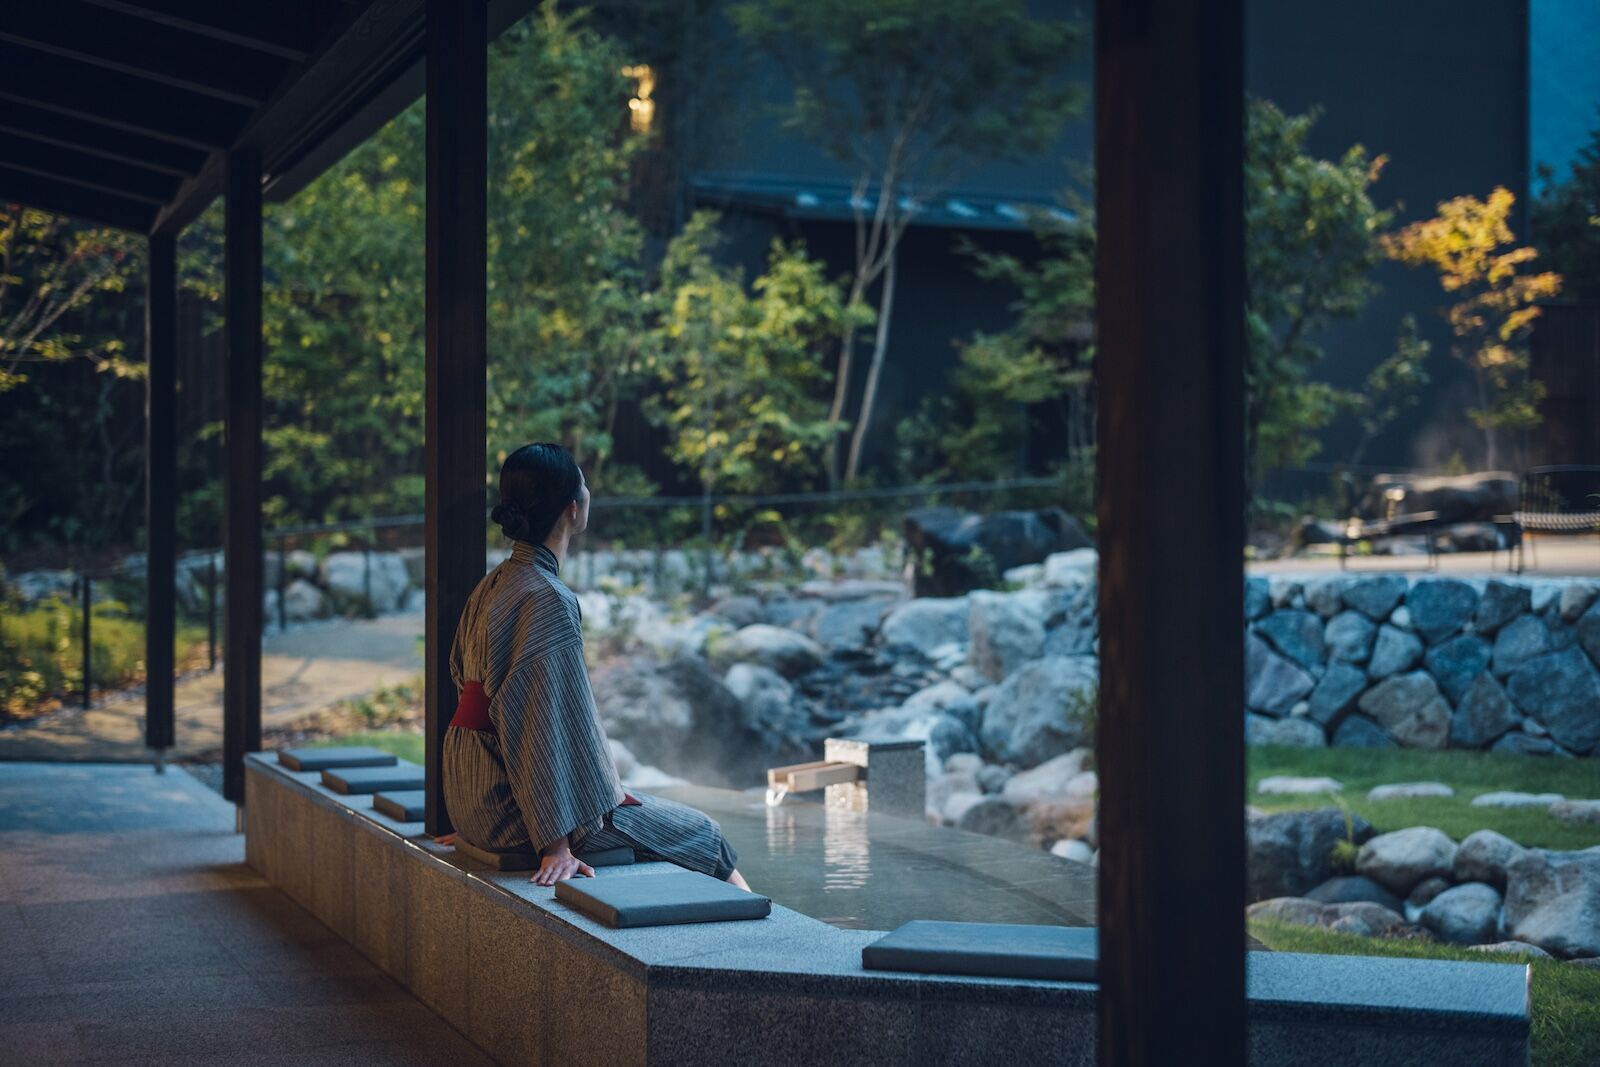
[1394, 651]
[737, 611]
[1576, 811]
[992, 777]
[345, 574]
[1562, 691]
[1375, 597]
[765, 694]
[1257, 598]
[1325, 595]
[1553, 901]
[303, 601]
[1465, 914]
[1358, 731]
[1349, 636]
[942, 787]
[1299, 732]
[1401, 790]
[1410, 709]
[1512, 948]
[783, 650]
[926, 623]
[1047, 779]
[1044, 709]
[1576, 596]
[1007, 630]
[1272, 683]
[992, 815]
[1485, 712]
[1523, 639]
[1069, 849]
[1502, 602]
[1421, 896]
[950, 698]
[1440, 607]
[673, 637]
[945, 538]
[1290, 852]
[849, 624]
[1456, 663]
[1401, 859]
[1336, 692]
[1483, 856]
[1355, 888]
[1296, 634]
[1065, 570]
[1529, 744]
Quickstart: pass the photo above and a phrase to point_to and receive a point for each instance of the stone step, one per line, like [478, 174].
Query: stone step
[404, 805]
[322, 759]
[404, 775]
[996, 950]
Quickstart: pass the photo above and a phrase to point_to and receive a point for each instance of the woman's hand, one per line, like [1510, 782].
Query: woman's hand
[558, 864]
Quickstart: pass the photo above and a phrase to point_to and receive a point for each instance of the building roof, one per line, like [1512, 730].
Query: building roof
[837, 201]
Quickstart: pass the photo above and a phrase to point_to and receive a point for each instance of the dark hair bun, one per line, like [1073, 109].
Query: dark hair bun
[537, 482]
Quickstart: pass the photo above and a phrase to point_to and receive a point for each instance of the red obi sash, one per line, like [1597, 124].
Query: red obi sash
[472, 713]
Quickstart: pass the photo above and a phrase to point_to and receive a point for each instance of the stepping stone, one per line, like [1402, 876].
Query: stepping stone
[527, 861]
[1285, 785]
[1516, 800]
[999, 950]
[354, 780]
[661, 899]
[322, 759]
[405, 805]
[1409, 789]
[1576, 811]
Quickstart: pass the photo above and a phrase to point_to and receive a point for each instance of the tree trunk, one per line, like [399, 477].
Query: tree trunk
[841, 384]
[880, 346]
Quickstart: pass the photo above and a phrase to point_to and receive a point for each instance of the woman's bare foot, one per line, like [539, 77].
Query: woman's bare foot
[737, 879]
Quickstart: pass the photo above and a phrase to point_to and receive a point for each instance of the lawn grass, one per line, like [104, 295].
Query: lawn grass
[1468, 773]
[1565, 1000]
[402, 743]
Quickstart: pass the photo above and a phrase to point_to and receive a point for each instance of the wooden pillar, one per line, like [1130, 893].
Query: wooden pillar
[1169, 283]
[457, 251]
[160, 486]
[241, 642]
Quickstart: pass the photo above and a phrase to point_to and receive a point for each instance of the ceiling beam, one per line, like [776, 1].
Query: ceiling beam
[98, 140]
[286, 28]
[89, 205]
[91, 172]
[117, 100]
[118, 42]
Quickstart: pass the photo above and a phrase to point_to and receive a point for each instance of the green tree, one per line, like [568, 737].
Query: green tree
[1566, 222]
[1311, 232]
[908, 94]
[742, 379]
[1391, 388]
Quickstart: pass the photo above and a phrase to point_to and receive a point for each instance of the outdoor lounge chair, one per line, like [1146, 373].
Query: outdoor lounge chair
[1560, 499]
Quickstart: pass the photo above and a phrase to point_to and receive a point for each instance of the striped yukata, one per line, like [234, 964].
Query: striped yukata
[542, 767]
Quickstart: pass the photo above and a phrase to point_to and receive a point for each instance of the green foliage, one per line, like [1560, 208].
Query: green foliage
[1392, 386]
[1310, 238]
[1566, 222]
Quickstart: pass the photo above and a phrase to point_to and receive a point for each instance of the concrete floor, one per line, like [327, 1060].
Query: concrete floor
[131, 932]
[1547, 557]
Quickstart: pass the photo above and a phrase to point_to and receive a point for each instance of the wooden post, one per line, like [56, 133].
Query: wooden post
[242, 579]
[1169, 283]
[160, 487]
[457, 253]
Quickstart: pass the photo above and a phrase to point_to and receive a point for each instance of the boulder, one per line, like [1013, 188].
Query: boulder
[1365, 919]
[1293, 910]
[1007, 630]
[1049, 778]
[1456, 663]
[1336, 693]
[739, 611]
[1423, 895]
[1410, 709]
[1515, 800]
[1527, 744]
[1394, 652]
[347, 576]
[994, 816]
[1562, 691]
[1485, 712]
[1358, 731]
[1401, 790]
[942, 787]
[1483, 856]
[1272, 683]
[1291, 852]
[1576, 811]
[669, 638]
[992, 778]
[1349, 637]
[1257, 598]
[1070, 569]
[766, 695]
[1296, 634]
[1575, 599]
[969, 762]
[1524, 638]
[1053, 818]
[303, 601]
[794, 612]
[1045, 708]
[1285, 592]
[1325, 596]
[1401, 859]
[849, 624]
[834, 591]
[950, 698]
[1465, 914]
[1355, 888]
[1440, 607]
[623, 757]
[1069, 849]
[1375, 597]
[1297, 732]
[1501, 603]
[1588, 632]
[1477, 497]
[1288, 785]
[942, 735]
[925, 623]
[1079, 637]
[945, 538]
[788, 653]
[1512, 948]
[1553, 901]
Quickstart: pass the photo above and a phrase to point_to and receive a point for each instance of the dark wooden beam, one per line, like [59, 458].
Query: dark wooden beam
[62, 199]
[80, 168]
[457, 254]
[135, 149]
[79, 31]
[1169, 293]
[117, 100]
[284, 28]
[160, 487]
[242, 541]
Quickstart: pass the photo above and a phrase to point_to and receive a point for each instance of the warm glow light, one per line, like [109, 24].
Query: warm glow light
[643, 108]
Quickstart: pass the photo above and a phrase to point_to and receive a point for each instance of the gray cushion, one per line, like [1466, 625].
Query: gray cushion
[661, 899]
[405, 805]
[1001, 950]
[401, 776]
[321, 759]
[527, 861]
